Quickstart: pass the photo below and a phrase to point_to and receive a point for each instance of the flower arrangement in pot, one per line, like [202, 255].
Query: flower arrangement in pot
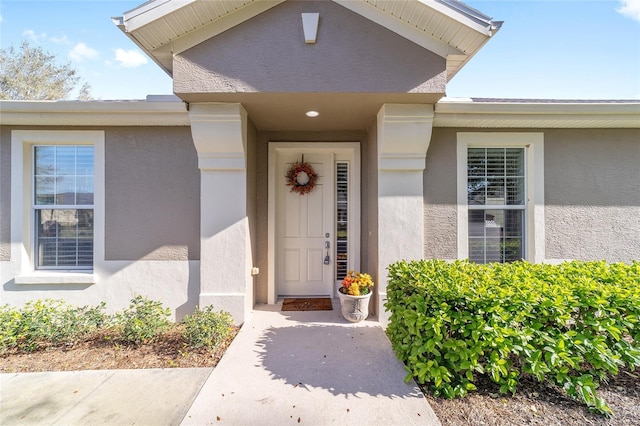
[354, 295]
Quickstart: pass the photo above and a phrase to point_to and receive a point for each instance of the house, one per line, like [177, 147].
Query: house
[185, 199]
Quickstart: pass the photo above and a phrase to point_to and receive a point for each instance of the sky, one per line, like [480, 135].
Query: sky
[546, 49]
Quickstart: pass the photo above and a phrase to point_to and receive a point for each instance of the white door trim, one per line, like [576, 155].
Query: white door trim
[352, 150]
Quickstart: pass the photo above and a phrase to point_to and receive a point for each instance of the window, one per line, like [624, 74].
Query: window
[57, 205]
[342, 220]
[63, 206]
[500, 197]
[496, 198]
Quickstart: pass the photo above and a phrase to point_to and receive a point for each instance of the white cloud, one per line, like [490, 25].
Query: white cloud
[130, 58]
[61, 40]
[630, 8]
[0, 18]
[33, 36]
[82, 52]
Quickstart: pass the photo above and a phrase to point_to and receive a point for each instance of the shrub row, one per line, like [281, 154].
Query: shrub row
[572, 324]
[55, 323]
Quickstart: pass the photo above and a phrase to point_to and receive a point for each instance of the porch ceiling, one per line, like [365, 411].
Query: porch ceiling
[338, 111]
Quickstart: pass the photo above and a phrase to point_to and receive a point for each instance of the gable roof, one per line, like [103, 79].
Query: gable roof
[449, 28]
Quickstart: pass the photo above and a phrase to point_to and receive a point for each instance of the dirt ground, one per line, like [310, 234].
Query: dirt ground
[534, 403]
[102, 352]
[540, 405]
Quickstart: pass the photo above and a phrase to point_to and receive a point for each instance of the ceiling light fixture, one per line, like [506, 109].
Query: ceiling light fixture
[312, 114]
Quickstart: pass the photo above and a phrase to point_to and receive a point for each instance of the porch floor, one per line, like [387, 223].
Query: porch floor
[309, 368]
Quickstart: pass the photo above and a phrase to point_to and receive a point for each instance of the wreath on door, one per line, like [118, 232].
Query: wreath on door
[301, 177]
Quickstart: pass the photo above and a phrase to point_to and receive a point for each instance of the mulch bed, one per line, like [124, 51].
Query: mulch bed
[539, 404]
[102, 352]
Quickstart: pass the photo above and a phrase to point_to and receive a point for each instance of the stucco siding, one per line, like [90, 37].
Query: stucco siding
[152, 194]
[592, 201]
[5, 193]
[440, 203]
[352, 54]
[252, 158]
[369, 184]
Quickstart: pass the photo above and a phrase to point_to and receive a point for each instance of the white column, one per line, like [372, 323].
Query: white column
[220, 136]
[404, 133]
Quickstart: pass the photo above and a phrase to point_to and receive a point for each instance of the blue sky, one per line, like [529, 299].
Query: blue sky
[546, 49]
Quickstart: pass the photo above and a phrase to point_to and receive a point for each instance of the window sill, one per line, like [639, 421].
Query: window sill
[49, 277]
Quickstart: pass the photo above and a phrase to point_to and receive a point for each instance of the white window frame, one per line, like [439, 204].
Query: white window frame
[22, 222]
[533, 144]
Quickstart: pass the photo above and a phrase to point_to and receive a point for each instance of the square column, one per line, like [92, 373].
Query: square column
[404, 134]
[220, 136]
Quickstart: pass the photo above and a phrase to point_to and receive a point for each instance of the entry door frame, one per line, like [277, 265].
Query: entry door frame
[349, 149]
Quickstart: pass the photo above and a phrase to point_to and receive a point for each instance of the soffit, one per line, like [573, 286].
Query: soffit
[448, 28]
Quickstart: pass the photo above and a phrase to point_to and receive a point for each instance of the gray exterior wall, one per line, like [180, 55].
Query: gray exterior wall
[152, 195]
[252, 210]
[369, 190]
[592, 201]
[360, 55]
[592, 194]
[262, 181]
[5, 193]
[440, 196]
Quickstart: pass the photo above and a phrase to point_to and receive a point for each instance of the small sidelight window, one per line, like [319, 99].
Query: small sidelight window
[342, 216]
[497, 201]
[63, 206]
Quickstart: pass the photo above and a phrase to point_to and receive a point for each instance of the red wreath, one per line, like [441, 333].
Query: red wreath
[300, 186]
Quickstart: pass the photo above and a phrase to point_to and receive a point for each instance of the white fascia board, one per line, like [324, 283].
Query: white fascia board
[460, 106]
[93, 113]
[223, 24]
[151, 11]
[489, 30]
[407, 31]
[466, 113]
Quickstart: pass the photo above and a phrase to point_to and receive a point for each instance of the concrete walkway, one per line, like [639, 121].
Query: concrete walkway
[310, 368]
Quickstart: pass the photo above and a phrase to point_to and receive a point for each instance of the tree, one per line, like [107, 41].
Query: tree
[30, 73]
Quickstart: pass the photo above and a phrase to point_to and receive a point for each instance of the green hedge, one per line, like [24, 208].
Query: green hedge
[572, 324]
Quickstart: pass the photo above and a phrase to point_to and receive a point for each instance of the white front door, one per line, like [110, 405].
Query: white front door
[304, 228]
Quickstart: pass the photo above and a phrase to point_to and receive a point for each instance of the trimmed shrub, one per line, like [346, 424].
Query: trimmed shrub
[573, 324]
[207, 328]
[49, 322]
[143, 321]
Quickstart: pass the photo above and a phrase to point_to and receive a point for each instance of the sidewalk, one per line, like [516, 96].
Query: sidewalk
[99, 397]
[310, 368]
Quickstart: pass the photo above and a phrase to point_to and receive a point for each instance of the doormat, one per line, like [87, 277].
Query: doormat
[307, 304]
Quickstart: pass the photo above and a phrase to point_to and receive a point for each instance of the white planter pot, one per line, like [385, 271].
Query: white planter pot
[354, 308]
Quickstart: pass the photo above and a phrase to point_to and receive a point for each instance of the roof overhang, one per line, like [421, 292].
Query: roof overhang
[538, 114]
[449, 28]
[93, 113]
[458, 113]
